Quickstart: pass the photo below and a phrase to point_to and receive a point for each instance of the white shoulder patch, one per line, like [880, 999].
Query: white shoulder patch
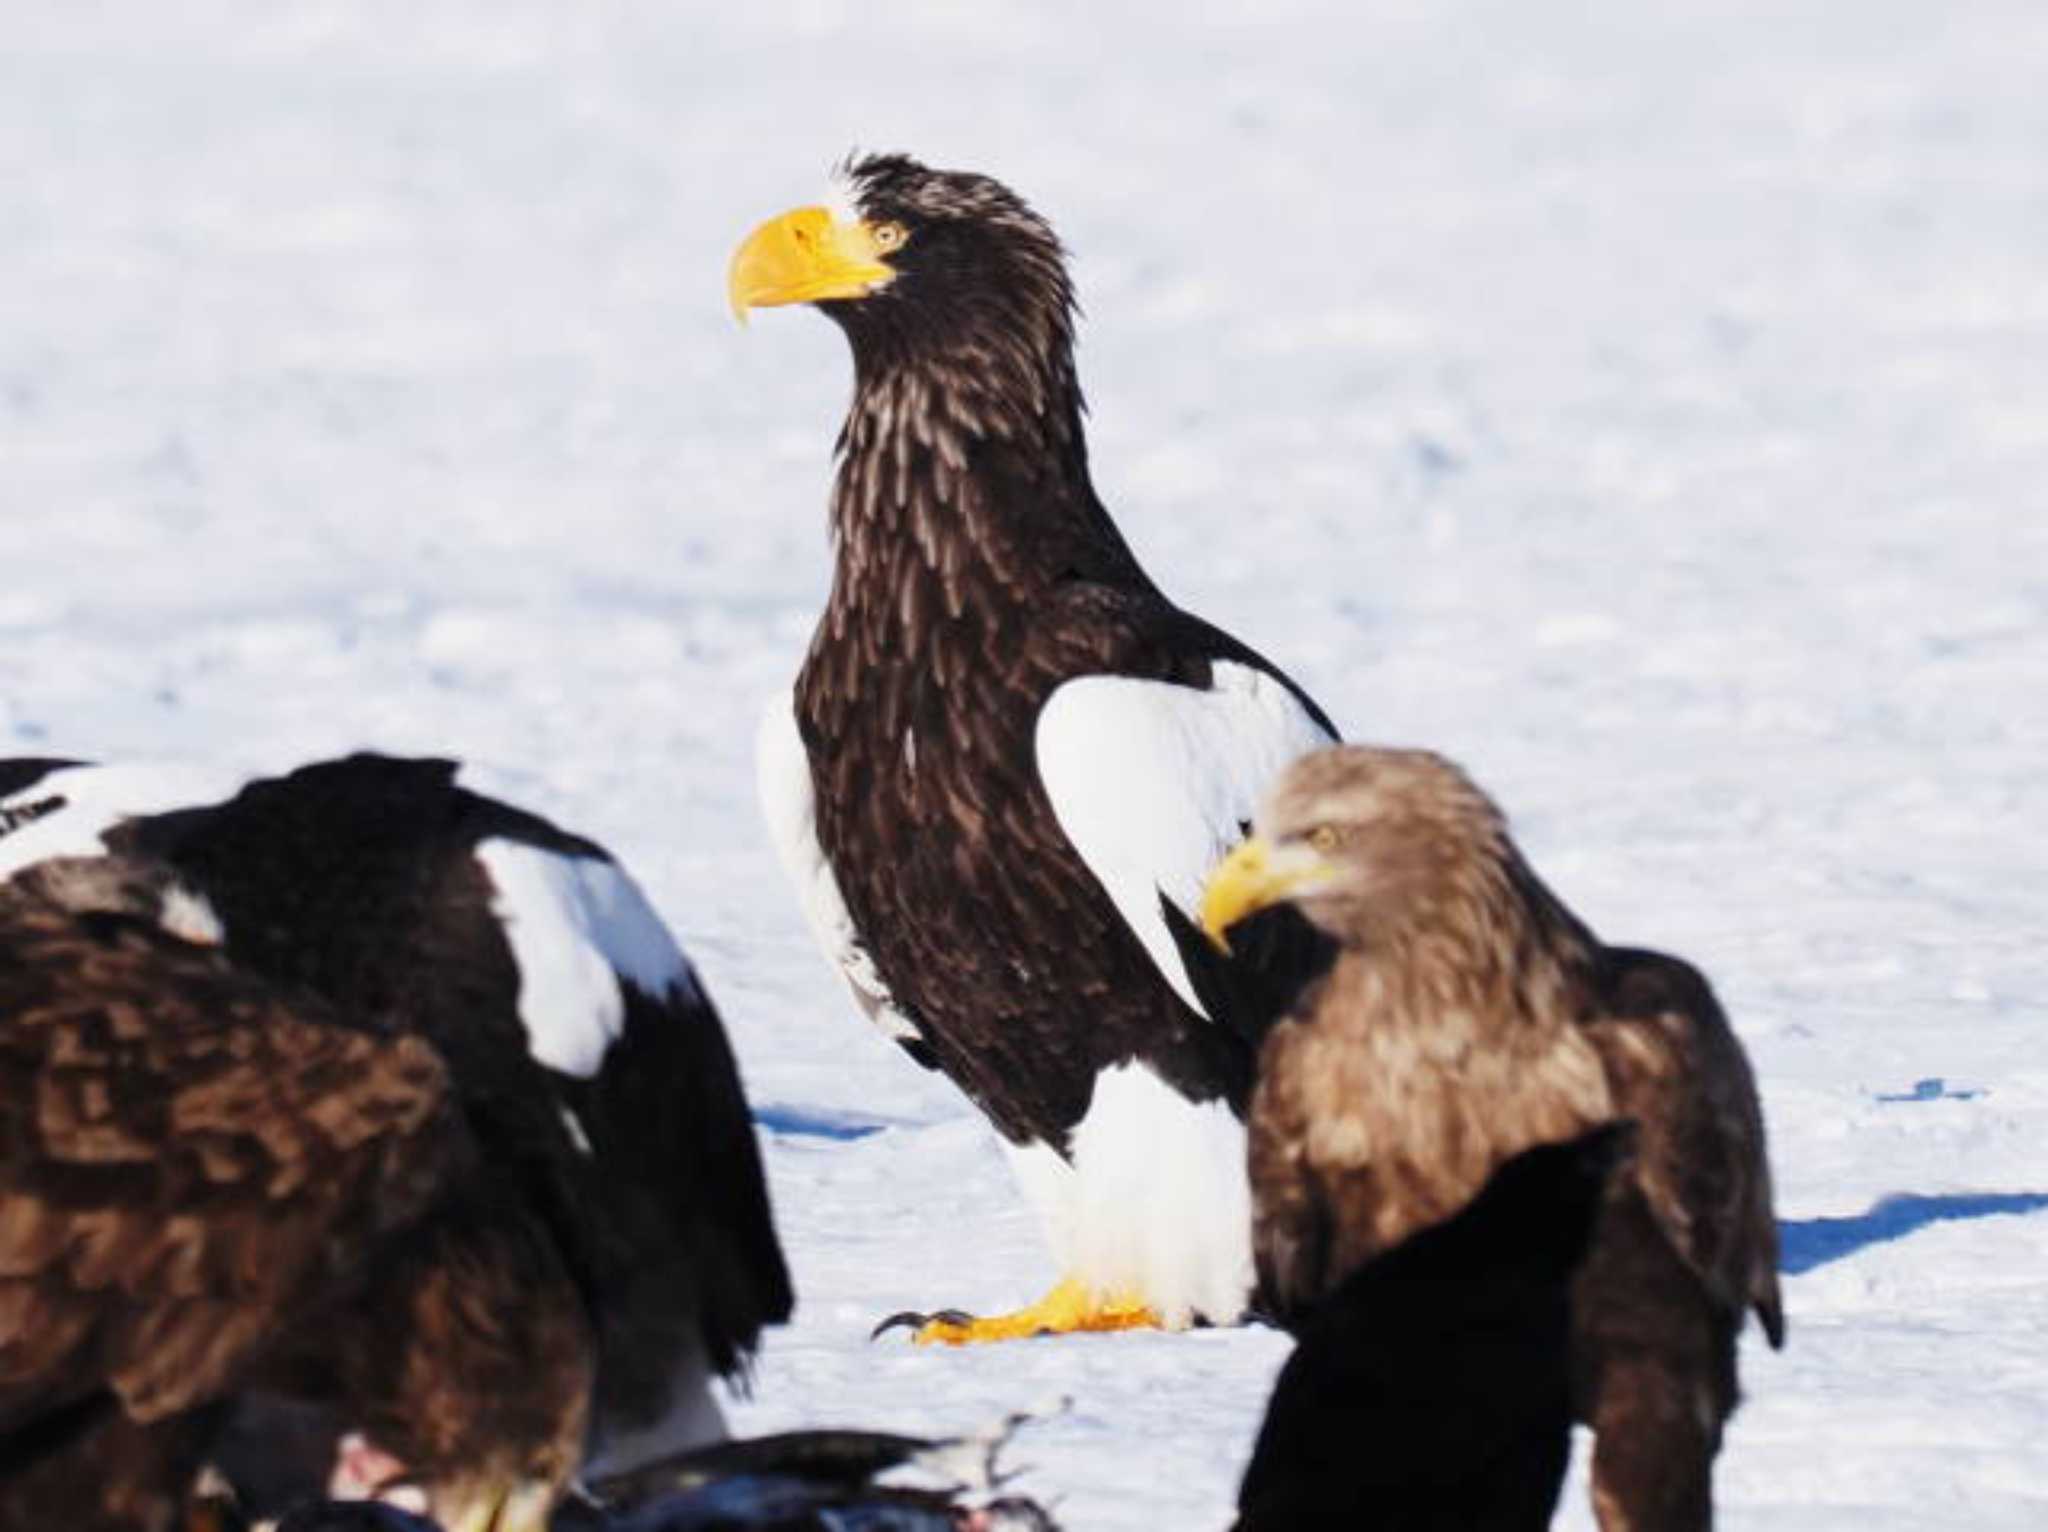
[69, 811]
[783, 778]
[578, 927]
[1154, 782]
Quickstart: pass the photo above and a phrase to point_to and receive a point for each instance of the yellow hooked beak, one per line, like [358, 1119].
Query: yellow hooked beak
[802, 257]
[1254, 876]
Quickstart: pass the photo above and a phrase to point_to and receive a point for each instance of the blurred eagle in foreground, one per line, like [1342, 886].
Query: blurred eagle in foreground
[1431, 1389]
[560, 1054]
[212, 1186]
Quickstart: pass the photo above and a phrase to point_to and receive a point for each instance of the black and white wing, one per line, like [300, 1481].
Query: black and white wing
[1154, 782]
[586, 942]
[783, 779]
[650, 1086]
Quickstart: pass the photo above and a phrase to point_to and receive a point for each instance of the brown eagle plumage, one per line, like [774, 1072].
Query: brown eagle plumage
[214, 1190]
[1465, 1016]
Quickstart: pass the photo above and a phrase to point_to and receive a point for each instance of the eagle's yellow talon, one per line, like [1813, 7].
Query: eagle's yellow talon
[1070, 1308]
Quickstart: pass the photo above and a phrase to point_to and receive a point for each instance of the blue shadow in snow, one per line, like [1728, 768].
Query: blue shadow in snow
[817, 1122]
[1805, 1243]
[1934, 1088]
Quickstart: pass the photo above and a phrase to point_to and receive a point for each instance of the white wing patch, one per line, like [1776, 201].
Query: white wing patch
[1154, 782]
[69, 811]
[783, 778]
[578, 926]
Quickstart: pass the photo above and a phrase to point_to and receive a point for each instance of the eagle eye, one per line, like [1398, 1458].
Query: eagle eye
[1326, 838]
[889, 236]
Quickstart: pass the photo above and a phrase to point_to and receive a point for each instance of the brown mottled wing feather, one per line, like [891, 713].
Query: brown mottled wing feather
[1292, 1215]
[186, 1159]
[1676, 1066]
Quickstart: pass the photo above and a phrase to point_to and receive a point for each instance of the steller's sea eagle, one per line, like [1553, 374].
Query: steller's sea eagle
[1464, 1016]
[1006, 749]
[215, 1188]
[582, 1049]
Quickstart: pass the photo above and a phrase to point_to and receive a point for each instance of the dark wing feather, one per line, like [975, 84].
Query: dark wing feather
[1448, 1353]
[666, 1115]
[840, 1458]
[672, 1141]
[24, 771]
[1275, 955]
[1675, 1066]
[186, 1159]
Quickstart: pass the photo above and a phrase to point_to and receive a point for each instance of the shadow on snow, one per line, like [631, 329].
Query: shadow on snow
[817, 1122]
[1809, 1242]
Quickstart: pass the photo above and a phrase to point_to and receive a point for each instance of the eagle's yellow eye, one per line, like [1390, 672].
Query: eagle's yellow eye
[1325, 838]
[889, 236]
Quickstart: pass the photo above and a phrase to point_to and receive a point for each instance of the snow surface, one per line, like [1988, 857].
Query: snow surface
[1647, 405]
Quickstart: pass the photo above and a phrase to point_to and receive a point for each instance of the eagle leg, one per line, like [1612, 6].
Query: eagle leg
[1072, 1307]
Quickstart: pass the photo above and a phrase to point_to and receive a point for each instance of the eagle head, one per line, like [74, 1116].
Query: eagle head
[1367, 842]
[913, 261]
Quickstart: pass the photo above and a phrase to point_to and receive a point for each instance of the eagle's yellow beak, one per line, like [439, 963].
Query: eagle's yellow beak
[1253, 877]
[803, 256]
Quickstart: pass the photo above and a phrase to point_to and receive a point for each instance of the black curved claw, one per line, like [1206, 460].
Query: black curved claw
[910, 1319]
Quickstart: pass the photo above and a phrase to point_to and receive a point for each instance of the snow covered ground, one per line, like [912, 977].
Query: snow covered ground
[1646, 404]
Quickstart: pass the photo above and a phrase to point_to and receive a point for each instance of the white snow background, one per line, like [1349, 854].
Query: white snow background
[1646, 404]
